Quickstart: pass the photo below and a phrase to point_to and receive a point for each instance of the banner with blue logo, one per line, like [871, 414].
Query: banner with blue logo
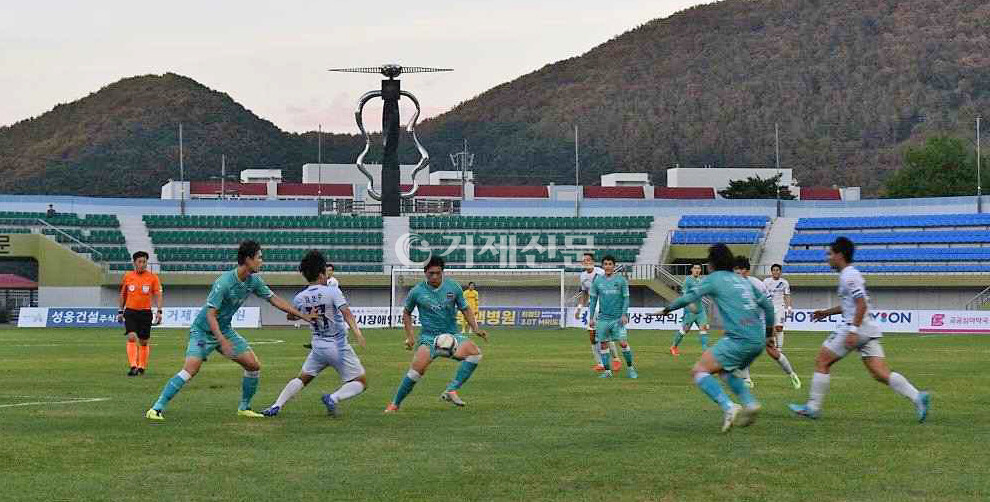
[100, 317]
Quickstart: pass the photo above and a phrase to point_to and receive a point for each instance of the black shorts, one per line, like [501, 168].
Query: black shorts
[138, 322]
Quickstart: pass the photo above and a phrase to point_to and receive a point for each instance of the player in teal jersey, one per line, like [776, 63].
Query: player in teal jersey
[695, 314]
[746, 336]
[611, 293]
[211, 330]
[437, 300]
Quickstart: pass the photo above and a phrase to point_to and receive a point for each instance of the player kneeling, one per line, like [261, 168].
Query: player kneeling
[330, 345]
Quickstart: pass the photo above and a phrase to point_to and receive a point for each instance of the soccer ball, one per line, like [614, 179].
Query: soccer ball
[445, 345]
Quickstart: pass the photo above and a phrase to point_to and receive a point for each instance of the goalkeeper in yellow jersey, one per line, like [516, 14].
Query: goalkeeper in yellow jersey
[471, 295]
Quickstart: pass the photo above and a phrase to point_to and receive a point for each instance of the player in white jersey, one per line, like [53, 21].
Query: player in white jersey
[330, 345]
[858, 331]
[773, 350]
[779, 292]
[333, 283]
[586, 278]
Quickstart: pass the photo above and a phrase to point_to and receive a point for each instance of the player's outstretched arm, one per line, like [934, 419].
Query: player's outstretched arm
[352, 322]
[469, 317]
[284, 306]
[823, 313]
[706, 288]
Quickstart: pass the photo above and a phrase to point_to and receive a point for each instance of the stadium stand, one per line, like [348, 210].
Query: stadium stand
[97, 231]
[709, 229]
[209, 243]
[540, 241]
[950, 243]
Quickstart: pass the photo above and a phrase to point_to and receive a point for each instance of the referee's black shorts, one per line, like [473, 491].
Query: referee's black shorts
[138, 322]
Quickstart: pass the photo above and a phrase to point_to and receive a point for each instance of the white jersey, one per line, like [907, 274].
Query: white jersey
[758, 284]
[852, 287]
[589, 277]
[329, 327]
[332, 282]
[776, 290]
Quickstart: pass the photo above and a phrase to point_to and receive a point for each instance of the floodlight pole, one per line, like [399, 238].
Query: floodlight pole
[776, 136]
[182, 176]
[577, 175]
[979, 180]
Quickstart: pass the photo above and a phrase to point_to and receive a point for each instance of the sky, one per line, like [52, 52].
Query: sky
[272, 57]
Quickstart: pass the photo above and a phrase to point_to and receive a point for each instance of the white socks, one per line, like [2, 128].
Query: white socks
[819, 387]
[902, 386]
[348, 390]
[292, 388]
[785, 364]
[594, 354]
[615, 351]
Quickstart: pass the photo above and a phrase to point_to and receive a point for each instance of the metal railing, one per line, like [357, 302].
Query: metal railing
[980, 301]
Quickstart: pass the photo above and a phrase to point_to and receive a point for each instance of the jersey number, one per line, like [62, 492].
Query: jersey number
[322, 311]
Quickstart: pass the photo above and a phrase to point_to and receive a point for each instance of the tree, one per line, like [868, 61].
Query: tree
[756, 188]
[943, 167]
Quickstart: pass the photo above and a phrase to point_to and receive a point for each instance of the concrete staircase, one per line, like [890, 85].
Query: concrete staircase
[136, 236]
[395, 227]
[654, 246]
[776, 244]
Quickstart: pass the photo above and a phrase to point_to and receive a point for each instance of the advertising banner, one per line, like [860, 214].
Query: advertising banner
[94, 317]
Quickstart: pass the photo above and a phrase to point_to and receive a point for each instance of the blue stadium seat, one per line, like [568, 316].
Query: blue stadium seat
[918, 237]
[711, 237]
[719, 221]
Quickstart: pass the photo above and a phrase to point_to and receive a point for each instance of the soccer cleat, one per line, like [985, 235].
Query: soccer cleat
[747, 415]
[133, 371]
[451, 397]
[307, 345]
[802, 410]
[631, 372]
[795, 381]
[924, 403]
[331, 406]
[606, 374]
[730, 416]
[391, 408]
[154, 414]
[249, 414]
[271, 411]
[616, 365]
[749, 382]
[598, 368]
[674, 351]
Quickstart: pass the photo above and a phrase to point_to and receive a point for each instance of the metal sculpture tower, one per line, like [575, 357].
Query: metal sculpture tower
[389, 194]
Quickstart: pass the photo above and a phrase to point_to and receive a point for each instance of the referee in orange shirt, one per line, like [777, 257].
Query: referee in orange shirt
[136, 292]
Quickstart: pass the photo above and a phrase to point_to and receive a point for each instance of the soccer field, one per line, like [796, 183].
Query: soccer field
[539, 425]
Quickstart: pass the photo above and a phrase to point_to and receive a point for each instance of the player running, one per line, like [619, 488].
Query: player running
[211, 330]
[587, 276]
[611, 293]
[741, 307]
[330, 345]
[859, 332]
[695, 314]
[774, 351]
[137, 289]
[438, 301]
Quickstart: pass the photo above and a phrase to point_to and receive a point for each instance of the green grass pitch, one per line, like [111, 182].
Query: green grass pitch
[539, 425]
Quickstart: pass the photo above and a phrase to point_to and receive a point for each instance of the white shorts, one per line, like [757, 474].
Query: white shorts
[867, 343]
[778, 315]
[344, 360]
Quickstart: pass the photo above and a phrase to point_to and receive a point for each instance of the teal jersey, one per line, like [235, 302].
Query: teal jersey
[690, 285]
[611, 295]
[437, 307]
[739, 304]
[227, 295]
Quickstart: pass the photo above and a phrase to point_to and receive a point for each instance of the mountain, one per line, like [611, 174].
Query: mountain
[850, 83]
[123, 140]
